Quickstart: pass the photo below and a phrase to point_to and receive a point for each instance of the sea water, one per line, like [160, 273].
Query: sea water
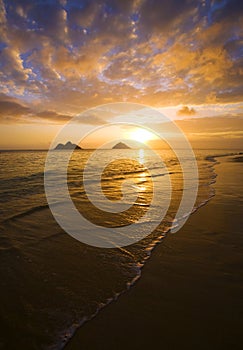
[51, 283]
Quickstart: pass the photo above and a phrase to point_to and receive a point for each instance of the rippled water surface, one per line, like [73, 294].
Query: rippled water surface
[51, 283]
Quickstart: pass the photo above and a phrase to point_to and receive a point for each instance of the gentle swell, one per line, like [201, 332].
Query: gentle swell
[25, 213]
[66, 336]
[149, 250]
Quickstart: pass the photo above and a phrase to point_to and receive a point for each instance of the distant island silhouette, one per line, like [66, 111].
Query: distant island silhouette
[72, 146]
[69, 145]
[121, 145]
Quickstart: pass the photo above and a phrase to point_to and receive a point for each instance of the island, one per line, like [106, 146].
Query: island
[121, 145]
[68, 146]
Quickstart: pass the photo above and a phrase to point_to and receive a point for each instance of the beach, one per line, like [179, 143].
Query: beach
[163, 291]
[190, 294]
[51, 284]
[121, 158]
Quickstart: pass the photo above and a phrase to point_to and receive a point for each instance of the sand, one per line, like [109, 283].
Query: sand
[190, 295]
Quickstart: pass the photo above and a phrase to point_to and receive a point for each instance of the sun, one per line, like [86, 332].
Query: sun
[141, 135]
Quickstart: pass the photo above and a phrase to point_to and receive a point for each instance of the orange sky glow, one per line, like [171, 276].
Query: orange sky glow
[59, 59]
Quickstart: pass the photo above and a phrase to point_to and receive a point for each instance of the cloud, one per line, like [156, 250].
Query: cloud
[219, 134]
[13, 111]
[210, 126]
[13, 108]
[52, 116]
[228, 10]
[185, 110]
[164, 14]
[78, 54]
[91, 118]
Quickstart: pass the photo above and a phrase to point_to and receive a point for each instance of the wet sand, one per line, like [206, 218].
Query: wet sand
[190, 295]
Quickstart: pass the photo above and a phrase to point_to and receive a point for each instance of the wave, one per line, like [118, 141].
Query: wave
[211, 158]
[149, 249]
[17, 179]
[25, 213]
[131, 262]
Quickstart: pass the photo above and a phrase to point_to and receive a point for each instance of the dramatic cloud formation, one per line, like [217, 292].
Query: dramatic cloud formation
[60, 57]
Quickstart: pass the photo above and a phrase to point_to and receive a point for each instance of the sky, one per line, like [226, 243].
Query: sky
[60, 58]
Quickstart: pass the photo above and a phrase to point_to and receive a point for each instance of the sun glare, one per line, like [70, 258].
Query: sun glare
[141, 135]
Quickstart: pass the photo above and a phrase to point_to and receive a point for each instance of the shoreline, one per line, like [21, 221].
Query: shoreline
[70, 333]
[116, 315]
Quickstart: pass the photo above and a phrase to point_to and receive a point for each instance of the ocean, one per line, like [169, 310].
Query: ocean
[51, 283]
